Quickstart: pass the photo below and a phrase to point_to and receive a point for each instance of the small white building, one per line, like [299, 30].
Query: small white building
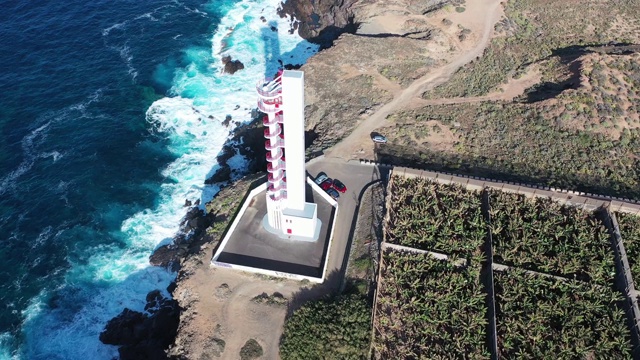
[288, 213]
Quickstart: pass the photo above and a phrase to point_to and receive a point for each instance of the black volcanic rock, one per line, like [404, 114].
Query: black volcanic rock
[231, 66]
[168, 256]
[188, 239]
[144, 336]
[320, 21]
[124, 329]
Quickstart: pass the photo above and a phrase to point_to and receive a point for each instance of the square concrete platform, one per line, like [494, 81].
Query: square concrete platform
[250, 245]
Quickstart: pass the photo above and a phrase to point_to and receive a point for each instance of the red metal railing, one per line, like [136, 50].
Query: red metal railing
[268, 87]
[275, 187]
[268, 108]
[274, 155]
[277, 119]
[271, 134]
[275, 178]
[278, 196]
[273, 144]
[280, 165]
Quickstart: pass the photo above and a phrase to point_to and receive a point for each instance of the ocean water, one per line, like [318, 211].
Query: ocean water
[110, 117]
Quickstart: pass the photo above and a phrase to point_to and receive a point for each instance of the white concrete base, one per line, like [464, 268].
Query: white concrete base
[281, 235]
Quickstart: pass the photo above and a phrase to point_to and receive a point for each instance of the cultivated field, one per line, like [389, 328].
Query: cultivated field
[542, 235]
[429, 308]
[539, 317]
[551, 278]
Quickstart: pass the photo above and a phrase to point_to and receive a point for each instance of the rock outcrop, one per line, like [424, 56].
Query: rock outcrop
[144, 336]
[320, 21]
[188, 240]
[231, 66]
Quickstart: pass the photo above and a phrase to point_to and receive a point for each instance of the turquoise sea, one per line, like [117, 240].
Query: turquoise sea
[110, 117]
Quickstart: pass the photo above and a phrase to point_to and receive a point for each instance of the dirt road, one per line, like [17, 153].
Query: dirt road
[489, 11]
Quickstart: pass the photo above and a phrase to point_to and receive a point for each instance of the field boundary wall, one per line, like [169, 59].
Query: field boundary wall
[493, 322]
[584, 200]
[439, 256]
[624, 281]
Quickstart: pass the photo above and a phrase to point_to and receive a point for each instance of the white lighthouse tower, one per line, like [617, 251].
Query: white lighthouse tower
[288, 213]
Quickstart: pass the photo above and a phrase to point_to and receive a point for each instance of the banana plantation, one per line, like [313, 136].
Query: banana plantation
[548, 291]
[429, 307]
[429, 216]
[540, 317]
[540, 234]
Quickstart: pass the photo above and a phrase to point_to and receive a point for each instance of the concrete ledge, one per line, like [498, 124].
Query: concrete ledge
[267, 272]
[247, 246]
[477, 185]
[236, 221]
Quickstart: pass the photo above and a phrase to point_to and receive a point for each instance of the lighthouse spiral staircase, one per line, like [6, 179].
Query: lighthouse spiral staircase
[270, 103]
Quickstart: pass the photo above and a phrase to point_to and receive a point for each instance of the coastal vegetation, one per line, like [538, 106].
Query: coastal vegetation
[518, 142]
[364, 253]
[533, 31]
[578, 127]
[333, 328]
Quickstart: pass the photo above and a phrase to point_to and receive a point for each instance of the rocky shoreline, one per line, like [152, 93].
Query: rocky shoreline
[149, 335]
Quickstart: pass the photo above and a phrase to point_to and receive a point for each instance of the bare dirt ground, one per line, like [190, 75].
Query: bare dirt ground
[479, 17]
[222, 311]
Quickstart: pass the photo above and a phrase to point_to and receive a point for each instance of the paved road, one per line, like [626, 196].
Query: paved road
[356, 177]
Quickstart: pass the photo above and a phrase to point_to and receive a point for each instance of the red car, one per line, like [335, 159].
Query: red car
[326, 185]
[338, 185]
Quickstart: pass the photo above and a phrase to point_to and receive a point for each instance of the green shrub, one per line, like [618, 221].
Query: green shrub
[337, 328]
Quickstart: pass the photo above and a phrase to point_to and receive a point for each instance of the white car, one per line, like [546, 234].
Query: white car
[379, 139]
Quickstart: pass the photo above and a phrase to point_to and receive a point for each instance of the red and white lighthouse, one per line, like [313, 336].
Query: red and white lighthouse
[282, 100]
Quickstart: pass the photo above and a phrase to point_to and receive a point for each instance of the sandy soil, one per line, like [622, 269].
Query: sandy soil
[479, 17]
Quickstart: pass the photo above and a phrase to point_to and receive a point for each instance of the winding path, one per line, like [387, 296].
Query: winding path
[348, 148]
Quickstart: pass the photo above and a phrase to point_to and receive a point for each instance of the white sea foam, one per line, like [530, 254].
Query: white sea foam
[192, 120]
[36, 136]
[5, 344]
[127, 57]
[42, 237]
[115, 26]
[54, 334]
[31, 141]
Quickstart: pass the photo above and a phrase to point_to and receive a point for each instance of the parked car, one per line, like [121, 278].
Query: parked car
[320, 178]
[333, 193]
[327, 184]
[338, 185]
[379, 139]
